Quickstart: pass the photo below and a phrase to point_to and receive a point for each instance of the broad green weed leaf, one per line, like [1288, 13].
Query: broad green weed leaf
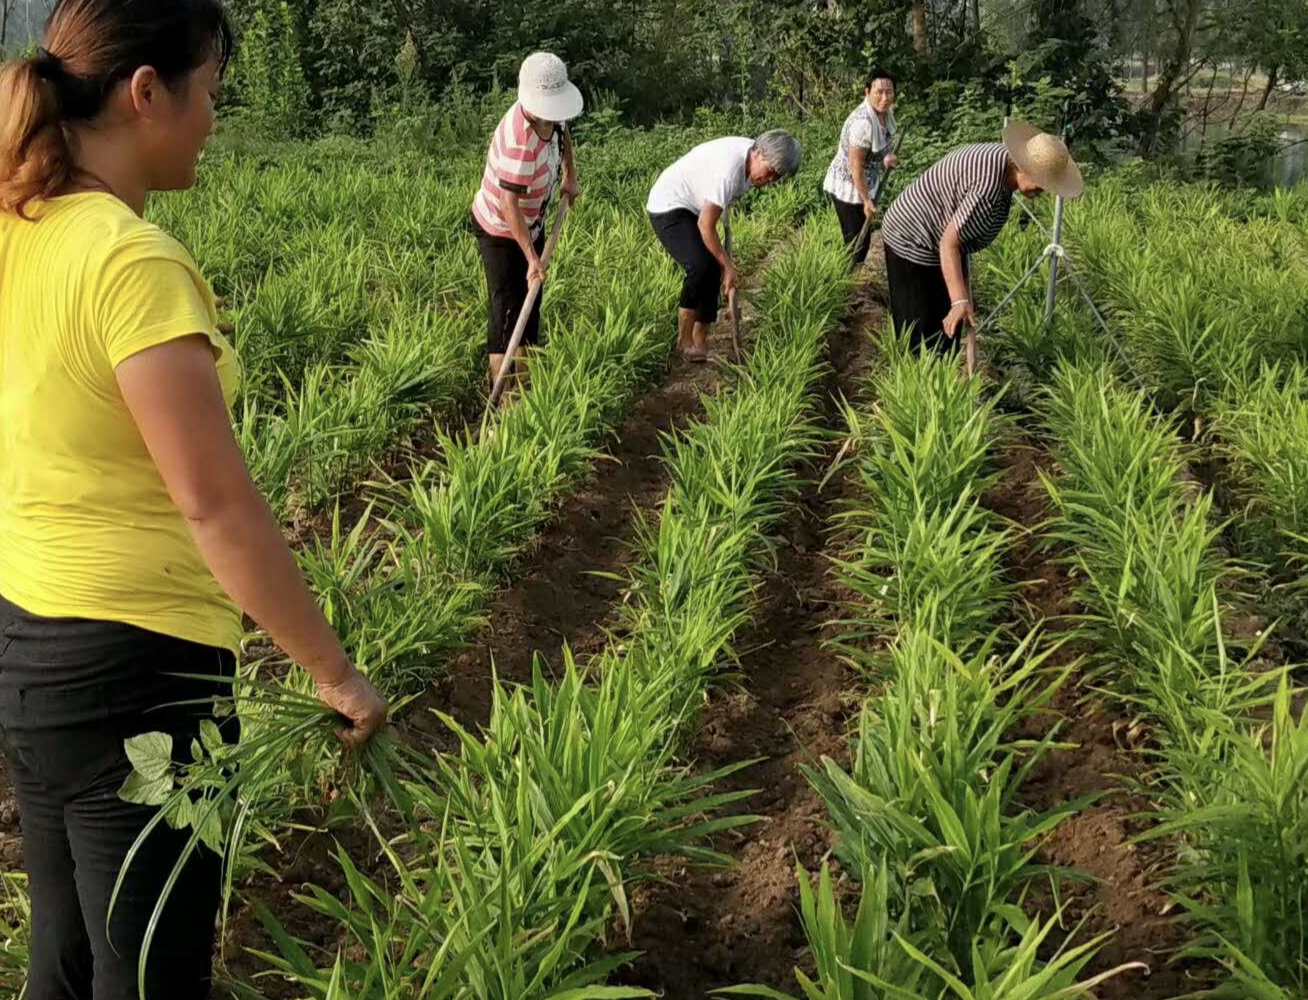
[151, 754]
[145, 791]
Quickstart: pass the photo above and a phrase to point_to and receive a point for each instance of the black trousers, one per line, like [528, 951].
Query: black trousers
[506, 284]
[71, 691]
[701, 290]
[920, 301]
[851, 225]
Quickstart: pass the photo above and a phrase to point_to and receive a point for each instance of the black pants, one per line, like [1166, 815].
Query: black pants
[920, 301]
[506, 284]
[70, 692]
[701, 290]
[852, 219]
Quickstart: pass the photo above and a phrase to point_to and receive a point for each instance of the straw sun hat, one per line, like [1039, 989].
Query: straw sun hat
[545, 91]
[1043, 158]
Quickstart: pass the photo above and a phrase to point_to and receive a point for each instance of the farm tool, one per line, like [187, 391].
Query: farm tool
[866, 232]
[533, 293]
[733, 303]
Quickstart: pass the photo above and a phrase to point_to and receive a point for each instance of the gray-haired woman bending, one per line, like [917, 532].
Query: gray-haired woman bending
[684, 207]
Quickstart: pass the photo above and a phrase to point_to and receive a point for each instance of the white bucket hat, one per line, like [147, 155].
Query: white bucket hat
[1044, 158]
[544, 90]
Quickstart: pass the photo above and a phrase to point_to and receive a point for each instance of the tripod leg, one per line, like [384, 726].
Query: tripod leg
[1034, 218]
[1055, 258]
[1103, 325]
[1013, 294]
[1051, 299]
[1085, 294]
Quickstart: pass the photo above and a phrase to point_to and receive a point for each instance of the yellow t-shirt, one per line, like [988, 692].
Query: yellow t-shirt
[87, 528]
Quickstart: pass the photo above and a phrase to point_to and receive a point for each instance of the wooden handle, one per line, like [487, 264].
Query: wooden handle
[533, 293]
[734, 306]
[971, 331]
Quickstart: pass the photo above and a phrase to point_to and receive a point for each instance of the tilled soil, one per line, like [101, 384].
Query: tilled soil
[701, 929]
[578, 568]
[1122, 898]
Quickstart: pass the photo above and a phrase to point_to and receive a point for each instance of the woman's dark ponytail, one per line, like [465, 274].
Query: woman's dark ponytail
[89, 47]
[35, 160]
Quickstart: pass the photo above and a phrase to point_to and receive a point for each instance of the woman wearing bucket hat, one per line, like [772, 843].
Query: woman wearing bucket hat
[684, 207]
[530, 146]
[955, 209]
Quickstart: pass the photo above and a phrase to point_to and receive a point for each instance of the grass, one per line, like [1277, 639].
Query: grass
[15, 934]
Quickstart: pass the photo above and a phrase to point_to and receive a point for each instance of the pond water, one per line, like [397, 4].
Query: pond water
[1288, 168]
[1291, 166]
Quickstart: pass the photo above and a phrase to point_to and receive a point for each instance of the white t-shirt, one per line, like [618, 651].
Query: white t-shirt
[713, 172]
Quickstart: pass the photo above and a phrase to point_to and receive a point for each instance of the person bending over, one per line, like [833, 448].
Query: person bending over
[955, 209]
[685, 206]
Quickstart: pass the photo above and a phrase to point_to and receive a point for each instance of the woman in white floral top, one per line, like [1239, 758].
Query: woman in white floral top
[865, 153]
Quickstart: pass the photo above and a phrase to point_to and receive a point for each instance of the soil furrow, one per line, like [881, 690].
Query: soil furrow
[701, 929]
[576, 571]
[1123, 898]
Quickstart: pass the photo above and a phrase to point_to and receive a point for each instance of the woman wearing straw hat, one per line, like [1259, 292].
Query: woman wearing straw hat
[684, 207]
[530, 146]
[958, 207]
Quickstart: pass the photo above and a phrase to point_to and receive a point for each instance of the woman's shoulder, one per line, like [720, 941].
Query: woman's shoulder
[131, 238]
[100, 229]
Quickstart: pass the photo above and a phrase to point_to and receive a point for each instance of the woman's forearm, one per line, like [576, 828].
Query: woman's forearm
[244, 549]
[951, 263]
[174, 395]
[858, 171]
[517, 223]
[708, 232]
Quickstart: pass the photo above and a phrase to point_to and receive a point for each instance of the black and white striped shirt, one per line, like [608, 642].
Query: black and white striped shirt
[966, 187]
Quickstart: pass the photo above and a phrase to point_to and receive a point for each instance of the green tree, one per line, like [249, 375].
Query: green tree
[1065, 48]
[268, 76]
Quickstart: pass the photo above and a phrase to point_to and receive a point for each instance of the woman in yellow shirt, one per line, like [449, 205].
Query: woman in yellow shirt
[131, 535]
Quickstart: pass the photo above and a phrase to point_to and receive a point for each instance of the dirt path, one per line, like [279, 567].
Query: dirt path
[701, 929]
[1123, 899]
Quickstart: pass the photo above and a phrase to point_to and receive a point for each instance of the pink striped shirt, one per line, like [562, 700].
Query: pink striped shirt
[521, 161]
